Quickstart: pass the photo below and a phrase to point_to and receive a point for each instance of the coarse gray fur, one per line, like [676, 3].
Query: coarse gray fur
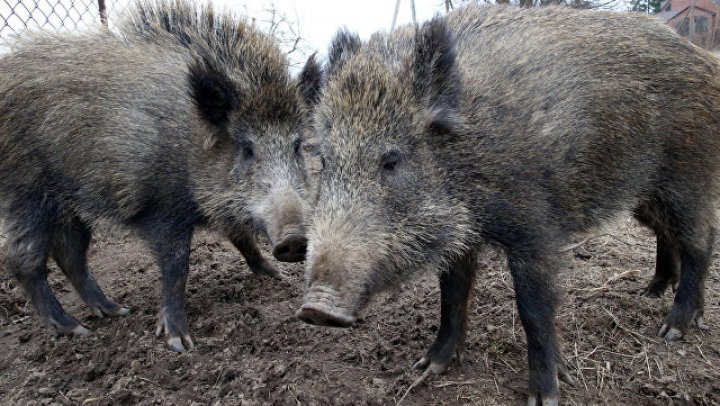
[518, 129]
[187, 118]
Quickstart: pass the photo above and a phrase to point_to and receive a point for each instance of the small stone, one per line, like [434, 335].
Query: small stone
[667, 379]
[46, 391]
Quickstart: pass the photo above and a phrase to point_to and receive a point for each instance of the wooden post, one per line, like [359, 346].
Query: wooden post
[692, 20]
[412, 7]
[397, 8]
[103, 12]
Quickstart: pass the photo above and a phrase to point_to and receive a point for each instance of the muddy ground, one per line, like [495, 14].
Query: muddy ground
[250, 350]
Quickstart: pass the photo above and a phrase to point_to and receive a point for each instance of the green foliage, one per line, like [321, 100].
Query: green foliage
[646, 6]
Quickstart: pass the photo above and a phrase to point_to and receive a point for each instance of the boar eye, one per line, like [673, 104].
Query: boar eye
[296, 146]
[248, 151]
[390, 161]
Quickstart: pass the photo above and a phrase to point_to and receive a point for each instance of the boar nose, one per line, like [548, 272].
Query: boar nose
[292, 248]
[320, 316]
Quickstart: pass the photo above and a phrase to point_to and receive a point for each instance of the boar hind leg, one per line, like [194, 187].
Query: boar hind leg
[667, 267]
[667, 263]
[536, 301]
[455, 287]
[254, 258]
[71, 240]
[172, 249]
[695, 234]
[29, 241]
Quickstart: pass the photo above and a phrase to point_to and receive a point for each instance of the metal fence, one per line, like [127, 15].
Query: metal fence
[60, 15]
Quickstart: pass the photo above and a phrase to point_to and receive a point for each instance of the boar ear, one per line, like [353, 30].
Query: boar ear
[435, 73]
[213, 93]
[311, 79]
[344, 45]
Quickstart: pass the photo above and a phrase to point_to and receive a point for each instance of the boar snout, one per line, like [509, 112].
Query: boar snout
[320, 309]
[292, 246]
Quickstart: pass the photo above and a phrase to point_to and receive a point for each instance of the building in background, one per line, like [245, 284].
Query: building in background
[704, 32]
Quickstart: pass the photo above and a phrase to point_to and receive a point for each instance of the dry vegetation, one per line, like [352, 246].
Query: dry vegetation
[251, 350]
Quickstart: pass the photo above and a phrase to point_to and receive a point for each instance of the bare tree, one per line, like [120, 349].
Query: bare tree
[588, 4]
[286, 30]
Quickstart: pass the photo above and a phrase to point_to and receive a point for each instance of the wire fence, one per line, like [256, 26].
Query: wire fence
[17, 16]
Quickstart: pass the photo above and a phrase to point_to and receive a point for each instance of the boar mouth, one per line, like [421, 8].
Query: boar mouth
[320, 309]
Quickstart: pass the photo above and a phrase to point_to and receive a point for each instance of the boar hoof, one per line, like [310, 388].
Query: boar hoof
[657, 287]
[66, 325]
[700, 323]
[678, 321]
[548, 401]
[564, 375]
[81, 331]
[109, 311]
[434, 366]
[670, 333]
[264, 268]
[177, 341]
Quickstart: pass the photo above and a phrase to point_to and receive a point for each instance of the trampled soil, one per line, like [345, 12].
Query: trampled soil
[250, 349]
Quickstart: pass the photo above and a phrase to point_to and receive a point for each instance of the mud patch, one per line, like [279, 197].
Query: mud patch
[252, 351]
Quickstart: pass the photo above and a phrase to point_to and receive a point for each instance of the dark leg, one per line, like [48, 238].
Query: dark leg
[29, 239]
[70, 244]
[667, 267]
[255, 260]
[667, 263]
[696, 240]
[455, 287]
[536, 300]
[173, 253]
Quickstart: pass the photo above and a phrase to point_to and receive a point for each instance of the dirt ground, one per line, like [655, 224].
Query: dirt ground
[250, 350]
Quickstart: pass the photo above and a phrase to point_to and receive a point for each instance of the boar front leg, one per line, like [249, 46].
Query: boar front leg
[69, 250]
[172, 249]
[253, 257]
[455, 287]
[536, 301]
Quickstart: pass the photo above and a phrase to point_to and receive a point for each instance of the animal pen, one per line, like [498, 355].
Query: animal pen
[59, 15]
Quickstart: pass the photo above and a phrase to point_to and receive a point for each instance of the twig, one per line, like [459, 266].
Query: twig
[622, 275]
[593, 237]
[414, 384]
[606, 286]
[452, 383]
[627, 330]
[703, 355]
[583, 242]
[647, 361]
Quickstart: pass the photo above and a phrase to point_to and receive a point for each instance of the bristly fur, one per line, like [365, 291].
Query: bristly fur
[221, 36]
[492, 126]
[343, 45]
[212, 91]
[187, 118]
[311, 79]
[436, 76]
